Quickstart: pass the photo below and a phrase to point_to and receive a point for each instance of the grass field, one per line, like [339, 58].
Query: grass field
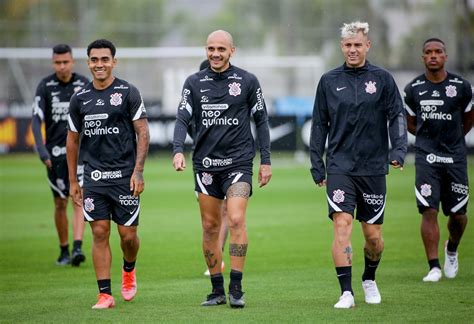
[289, 276]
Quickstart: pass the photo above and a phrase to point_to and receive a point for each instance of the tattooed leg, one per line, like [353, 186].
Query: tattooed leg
[237, 198]
[341, 247]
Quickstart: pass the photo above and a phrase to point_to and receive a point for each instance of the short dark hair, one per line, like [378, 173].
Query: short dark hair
[62, 49]
[204, 65]
[434, 39]
[101, 43]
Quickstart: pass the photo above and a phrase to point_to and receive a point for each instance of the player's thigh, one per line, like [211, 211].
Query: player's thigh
[340, 194]
[455, 190]
[371, 198]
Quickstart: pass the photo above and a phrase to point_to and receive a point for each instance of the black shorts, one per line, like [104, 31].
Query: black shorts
[368, 194]
[447, 184]
[215, 184]
[114, 203]
[58, 177]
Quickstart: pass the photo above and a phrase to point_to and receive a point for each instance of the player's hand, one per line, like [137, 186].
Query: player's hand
[179, 162]
[75, 192]
[48, 164]
[322, 183]
[396, 165]
[137, 183]
[264, 174]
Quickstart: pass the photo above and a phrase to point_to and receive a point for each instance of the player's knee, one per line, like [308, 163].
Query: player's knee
[60, 204]
[129, 239]
[430, 215]
[375, 243]
[210, 227]
[236, 222]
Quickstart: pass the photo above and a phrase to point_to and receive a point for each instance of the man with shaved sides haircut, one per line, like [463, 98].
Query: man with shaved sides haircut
[109, 118]
[220, 101]
[50, 108]
[440, 114]
[354, 104]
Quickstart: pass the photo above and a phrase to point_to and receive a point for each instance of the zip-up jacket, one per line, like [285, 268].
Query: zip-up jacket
[351, 110]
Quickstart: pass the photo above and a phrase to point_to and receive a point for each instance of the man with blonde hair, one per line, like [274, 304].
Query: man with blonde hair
[353, 105]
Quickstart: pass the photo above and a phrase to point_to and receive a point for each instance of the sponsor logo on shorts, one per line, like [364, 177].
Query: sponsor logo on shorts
[373, 199]
[425, 190]
[60, 184]
[89, 204]
[459, 188]
[208, 162]
[57, 151]
[432, 158]
[128, 200]
[97, 175]
[338, 196]
[206, 178]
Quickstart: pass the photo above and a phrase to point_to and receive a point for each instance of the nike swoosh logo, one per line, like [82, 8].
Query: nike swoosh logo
[459, 199]
[204, 90]
[133, 211]
[339, 89]
[422, 92]
[376, 210]
[55, 93]
[86, 102]
[104, 288]
[280, 131]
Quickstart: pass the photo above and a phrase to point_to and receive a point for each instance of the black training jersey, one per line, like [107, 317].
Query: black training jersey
[439, 109]
[221, 105]
[51, 105]
[105, 119]
[352, 109]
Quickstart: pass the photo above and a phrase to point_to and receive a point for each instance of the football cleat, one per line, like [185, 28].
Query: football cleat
[63, 259]
[345, 301]
[77, 257]
[104, 301]
[450, 262]
[372, 294]
[129, 284]
[236, 299]
[433, 276]
[214, 299]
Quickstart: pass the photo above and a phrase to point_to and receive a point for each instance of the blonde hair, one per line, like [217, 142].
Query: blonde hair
[351, 29]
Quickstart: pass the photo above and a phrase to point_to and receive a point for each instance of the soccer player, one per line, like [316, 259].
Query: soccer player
[224, 230]
[51, 108]
[353, 105]
[220, 102]
[439, 114]
[110, 118]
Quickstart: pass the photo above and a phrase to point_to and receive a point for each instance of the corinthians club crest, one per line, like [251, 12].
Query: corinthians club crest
[116, 99]
[234, 89]
[370, 87]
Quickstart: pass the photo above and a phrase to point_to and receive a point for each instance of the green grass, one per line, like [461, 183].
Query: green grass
[289, 275]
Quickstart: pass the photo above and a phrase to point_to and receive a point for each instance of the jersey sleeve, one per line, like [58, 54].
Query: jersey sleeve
[409, 104]
[397, 123]
[183, 118]
[468, 97]
[319, 133]
[260, 116]
[39, 106]
[74, 121]
[136, 105]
